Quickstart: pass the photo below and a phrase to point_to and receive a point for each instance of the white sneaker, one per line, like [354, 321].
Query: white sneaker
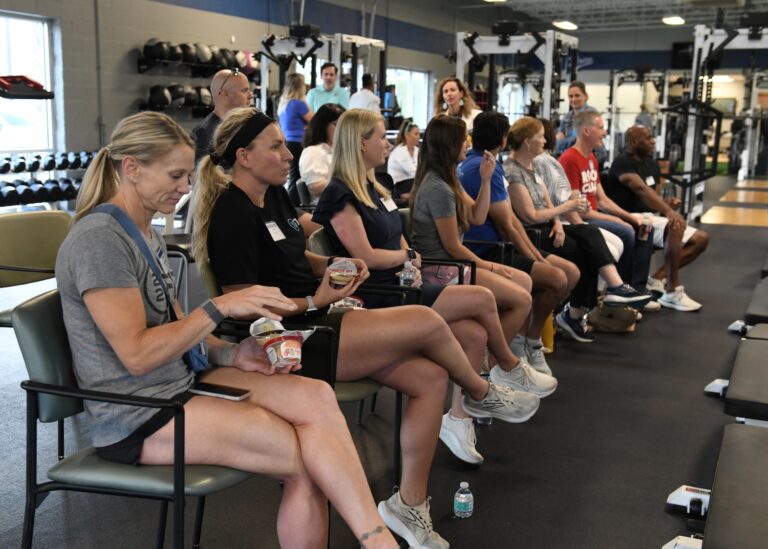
[656, 285]
[503, 403]
[651, 307]
[679, 301]
[517, 345]
[413, 524]
[459, 435]
[535, 355]
[526, 379]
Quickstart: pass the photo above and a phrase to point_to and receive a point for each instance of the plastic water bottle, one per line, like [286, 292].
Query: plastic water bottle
[463, 501]
[488, 419]
[408, 274]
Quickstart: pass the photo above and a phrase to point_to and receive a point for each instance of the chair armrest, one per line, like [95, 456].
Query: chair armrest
[101, 396]
[25, 269]
[390, 289]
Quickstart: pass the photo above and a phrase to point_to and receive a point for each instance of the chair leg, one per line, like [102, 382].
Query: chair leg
[29, 522]
[373, 401]
[396, 461]
[360, 406]
[198, 522]
[163, 519]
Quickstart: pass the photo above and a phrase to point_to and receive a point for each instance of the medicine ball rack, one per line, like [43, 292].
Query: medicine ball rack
[19, 192]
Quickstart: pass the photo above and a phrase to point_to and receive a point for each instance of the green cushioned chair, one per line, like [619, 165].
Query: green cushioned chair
[28, 248]
[53, 395]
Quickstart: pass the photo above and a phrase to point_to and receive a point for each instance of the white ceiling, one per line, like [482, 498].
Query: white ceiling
[605, 14]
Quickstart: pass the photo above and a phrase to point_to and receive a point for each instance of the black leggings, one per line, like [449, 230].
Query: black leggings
[295, 148]
[584, 246]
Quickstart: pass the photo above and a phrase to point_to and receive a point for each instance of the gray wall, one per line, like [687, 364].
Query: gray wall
[123, 27]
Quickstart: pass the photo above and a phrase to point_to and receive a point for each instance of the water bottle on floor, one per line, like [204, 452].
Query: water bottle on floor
[484, 420]
[463, 501]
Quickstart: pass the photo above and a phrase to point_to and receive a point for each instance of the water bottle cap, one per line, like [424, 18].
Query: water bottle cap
[408, 265]
[464, 485]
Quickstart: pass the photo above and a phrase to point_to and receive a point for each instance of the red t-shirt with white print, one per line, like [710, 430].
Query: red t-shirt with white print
[582, 173]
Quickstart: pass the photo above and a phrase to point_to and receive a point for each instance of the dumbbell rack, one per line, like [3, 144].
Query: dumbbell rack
[19, 192]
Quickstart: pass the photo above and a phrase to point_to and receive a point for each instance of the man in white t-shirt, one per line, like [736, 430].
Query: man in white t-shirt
[365, 98]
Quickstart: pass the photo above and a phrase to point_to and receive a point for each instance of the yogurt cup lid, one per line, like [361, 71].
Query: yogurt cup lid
[264, 326]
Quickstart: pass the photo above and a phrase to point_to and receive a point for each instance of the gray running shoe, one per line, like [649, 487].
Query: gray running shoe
[504, 404]
[535, 355]
[413, 524]
[526, 379]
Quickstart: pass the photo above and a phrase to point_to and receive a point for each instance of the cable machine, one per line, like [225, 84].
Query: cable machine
[557, 51]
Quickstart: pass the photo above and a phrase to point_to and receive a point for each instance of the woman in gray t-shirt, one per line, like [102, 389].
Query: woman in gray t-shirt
[123, 339]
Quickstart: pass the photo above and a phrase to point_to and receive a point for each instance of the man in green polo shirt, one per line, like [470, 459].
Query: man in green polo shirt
[328, 92]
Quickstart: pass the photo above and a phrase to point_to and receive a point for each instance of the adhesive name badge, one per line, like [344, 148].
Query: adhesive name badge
[538, 179]
[274, 231]
[650, 181]
[591, 164]
[389, 204]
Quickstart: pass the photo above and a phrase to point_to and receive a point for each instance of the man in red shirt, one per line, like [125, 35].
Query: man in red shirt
[582, 169]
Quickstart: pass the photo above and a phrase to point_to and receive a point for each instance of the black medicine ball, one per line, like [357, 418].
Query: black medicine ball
[159, 97]
[155, 49]
[188, 53]
[190, 96]
[174, 52]
[177, 94]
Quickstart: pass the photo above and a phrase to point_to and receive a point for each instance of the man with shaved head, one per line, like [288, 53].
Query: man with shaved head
[632, 183]
[229, 89]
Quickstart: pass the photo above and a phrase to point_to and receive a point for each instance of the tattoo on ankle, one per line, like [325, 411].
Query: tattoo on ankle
[374, 532]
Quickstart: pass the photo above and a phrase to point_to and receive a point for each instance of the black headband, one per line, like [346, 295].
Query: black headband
[253, 127]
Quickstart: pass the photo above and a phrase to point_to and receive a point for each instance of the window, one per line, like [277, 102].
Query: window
[26, 125]
[412, 91]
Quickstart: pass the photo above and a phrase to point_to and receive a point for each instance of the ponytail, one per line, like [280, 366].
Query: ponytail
[99, 184]
[210, 182]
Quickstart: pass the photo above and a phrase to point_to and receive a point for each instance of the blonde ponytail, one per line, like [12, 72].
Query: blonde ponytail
[99, 184]
[209, 185]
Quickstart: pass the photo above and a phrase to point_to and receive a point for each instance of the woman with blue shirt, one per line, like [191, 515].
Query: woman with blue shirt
[294, 114]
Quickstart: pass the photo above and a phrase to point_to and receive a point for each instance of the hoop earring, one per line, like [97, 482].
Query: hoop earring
[445, 106]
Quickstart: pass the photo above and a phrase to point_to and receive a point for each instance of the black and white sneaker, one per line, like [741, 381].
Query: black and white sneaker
[626, 295]
[574, 327]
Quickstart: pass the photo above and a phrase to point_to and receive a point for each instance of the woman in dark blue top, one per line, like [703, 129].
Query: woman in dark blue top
[362, 218]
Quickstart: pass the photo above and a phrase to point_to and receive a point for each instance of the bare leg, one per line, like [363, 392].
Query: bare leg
[676, 255]
[550, 286]
[290, 428]
[472, 337]
[512, 300]
[610, 274]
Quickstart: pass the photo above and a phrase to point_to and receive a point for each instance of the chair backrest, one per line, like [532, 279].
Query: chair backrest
[305, 198]
[30, 240]
[39, 327]
[320, 243]
[209, 279]
[405, 219]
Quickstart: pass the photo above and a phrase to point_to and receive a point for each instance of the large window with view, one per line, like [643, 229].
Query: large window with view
[26, 125]
[412, 91]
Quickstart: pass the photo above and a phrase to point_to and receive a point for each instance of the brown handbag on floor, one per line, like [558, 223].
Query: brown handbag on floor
[613, 320]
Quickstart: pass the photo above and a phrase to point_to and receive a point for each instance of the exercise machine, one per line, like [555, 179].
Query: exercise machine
[558, 52]
[704, 121]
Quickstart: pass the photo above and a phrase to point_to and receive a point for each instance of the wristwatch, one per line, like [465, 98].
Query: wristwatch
[310, 304]
[213, 312]
[411, 253]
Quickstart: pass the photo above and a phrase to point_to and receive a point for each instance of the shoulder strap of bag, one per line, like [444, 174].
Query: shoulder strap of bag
[133, 231]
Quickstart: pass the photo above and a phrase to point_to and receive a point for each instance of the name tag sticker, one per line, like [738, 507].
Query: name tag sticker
[274, 231]
[538, 179]
[650, 181]
[389, 204]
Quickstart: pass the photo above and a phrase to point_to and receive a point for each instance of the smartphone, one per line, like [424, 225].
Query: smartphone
[219, 391]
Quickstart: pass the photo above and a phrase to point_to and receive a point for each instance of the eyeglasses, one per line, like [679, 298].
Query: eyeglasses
[234, 72]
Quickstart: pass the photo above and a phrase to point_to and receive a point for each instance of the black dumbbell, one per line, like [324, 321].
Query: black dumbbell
[26, 195]
[9, 196]
[67, 188]
[74, 161]
[55, 192]
[76, 183]
[19, 165]
[5, 164]
[85, 159]
[39, 191]
[49, 163]
[33, 163]
[62, 161]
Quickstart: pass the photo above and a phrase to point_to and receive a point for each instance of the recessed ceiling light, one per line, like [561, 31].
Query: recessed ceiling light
[673, 20]
[495, 1]
[565, 25]
[721, 78]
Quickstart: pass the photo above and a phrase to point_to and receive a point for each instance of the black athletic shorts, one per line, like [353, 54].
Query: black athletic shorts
[509, 257]
[128, 450]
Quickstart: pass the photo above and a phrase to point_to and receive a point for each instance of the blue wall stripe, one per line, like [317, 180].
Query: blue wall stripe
[332, 18]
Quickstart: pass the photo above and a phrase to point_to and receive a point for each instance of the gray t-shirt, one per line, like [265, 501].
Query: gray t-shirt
[550, 170]
[433, 200]
[98, 253]
[517, 175]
